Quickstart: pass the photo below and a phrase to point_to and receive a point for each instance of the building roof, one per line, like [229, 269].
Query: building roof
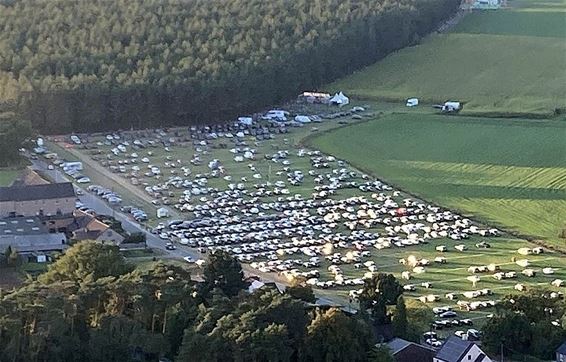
[31, 243]
[414, 353]
[37, 192]
[562, 348]
[397, 344]
[87, 235]
[22, 226]
[453, 349]
[405, 351]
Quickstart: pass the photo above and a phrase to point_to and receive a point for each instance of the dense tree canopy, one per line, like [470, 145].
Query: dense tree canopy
[223, 272]
[89, 65]
[90, 306]
[527, 324]
[333, 337]
[123, 317]
[13, 136]
[378, 292]
[87, 260]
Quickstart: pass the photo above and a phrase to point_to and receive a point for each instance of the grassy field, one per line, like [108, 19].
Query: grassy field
[512, 173]
[7, 176]
[497, 62]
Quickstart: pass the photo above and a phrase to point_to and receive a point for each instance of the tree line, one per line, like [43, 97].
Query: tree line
[91, 305]
[96, 65]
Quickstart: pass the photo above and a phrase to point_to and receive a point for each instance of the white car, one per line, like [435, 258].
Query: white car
[188, 259]
[83, 180]
[433, 342]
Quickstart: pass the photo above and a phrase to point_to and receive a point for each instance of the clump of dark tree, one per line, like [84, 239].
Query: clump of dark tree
[92, 306]
[94, 65]
[528, 324]
[14, 135]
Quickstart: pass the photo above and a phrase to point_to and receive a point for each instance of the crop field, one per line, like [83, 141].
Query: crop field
[511, 173]
[508, 61]
[397, 144]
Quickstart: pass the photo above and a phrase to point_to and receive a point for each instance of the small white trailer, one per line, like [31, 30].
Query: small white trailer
[451, 106]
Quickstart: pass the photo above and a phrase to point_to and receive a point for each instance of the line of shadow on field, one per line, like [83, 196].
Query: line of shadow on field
[452, 190]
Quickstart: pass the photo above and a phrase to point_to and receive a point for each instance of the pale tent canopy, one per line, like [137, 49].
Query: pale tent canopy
[245, 120]
[412, 102]
[339, 99]
[255, 285]
[162, 212]
[302, 119]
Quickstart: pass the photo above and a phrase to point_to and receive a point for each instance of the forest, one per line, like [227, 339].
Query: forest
[91, 305]
[81, 66]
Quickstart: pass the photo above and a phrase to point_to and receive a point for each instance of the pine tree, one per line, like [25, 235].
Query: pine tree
[400, 323]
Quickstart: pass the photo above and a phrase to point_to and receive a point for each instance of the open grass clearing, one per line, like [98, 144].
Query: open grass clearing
[7, 176]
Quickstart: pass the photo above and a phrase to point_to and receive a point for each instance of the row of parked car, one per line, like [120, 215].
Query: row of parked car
[106, 194]
[138, 214]
[432, 338]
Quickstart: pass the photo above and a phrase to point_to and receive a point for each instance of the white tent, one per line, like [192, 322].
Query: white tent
[412, 102]
[255, 285]
[302, 119]
[339, 99]
[162, 212]
[245, 120]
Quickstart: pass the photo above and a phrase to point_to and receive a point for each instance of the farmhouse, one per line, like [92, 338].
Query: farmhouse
[87, 227]
[456, 349]
[37, 200]
[28, 235]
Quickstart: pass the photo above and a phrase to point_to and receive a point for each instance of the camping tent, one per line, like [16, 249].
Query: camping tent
[162, 212]
[302, 119]
[339, 99]
[412, 102]
[247, 121]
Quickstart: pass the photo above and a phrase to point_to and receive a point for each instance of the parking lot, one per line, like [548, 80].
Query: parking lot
[295, 213]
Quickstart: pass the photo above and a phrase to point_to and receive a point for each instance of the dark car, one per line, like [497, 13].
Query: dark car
[483, 245]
